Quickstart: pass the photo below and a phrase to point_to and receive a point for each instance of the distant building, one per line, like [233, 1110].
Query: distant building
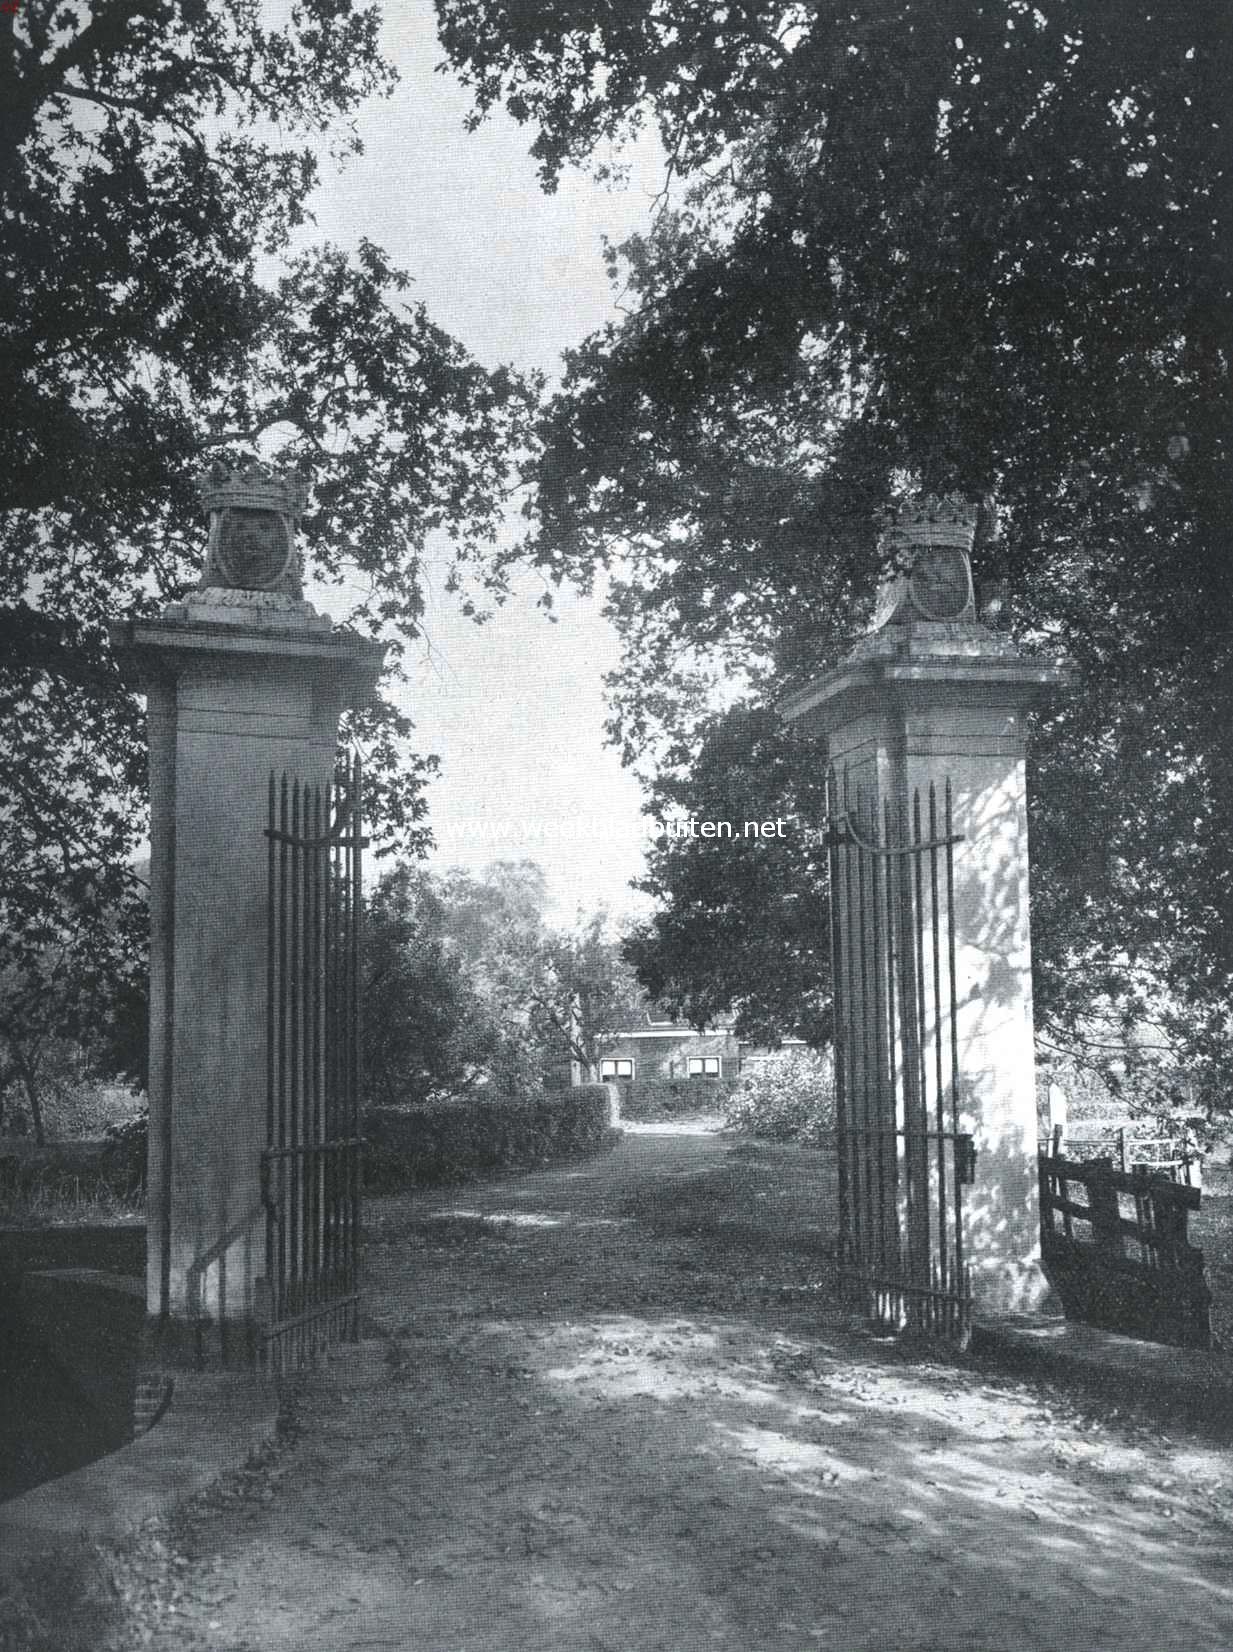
[661, 1048]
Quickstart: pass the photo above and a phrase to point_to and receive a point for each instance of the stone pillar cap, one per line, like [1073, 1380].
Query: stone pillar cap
[935, 672]
[278, 630]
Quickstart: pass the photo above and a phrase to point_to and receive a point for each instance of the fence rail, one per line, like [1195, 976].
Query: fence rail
[1174, 1153]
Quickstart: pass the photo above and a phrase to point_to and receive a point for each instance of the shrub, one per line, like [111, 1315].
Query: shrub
[674, 1098]
[451, 1141]
[125, 1146]
[789, 1097]
[87, 1110]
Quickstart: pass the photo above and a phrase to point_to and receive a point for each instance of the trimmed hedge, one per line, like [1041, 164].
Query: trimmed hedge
[452, 1141]
[674, 1098]
[443, 1142]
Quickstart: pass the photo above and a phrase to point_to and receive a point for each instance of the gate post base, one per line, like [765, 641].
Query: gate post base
[172, 1343]
[1005, 1288]
[179, 1360]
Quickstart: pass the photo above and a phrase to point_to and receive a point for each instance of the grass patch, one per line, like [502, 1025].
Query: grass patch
[67, 1600]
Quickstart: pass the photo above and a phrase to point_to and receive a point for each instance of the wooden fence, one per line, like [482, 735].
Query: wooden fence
[1115, 1248]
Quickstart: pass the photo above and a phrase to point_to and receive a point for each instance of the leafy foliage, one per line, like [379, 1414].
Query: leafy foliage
[62, 1600]
[157, 159]
[72, 1008]
[427, 1033]
[788, 1097]
[982, 247]
[75, 1182]
[125, 1155]
[493, 923]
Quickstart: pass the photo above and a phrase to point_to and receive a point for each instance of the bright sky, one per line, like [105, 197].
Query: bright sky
[514, 708]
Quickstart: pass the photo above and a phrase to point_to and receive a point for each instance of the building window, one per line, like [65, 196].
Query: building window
[616, 1069]
[704, 1066]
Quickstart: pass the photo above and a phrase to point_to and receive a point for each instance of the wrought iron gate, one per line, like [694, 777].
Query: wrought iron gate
[310, 1170]
[903, 1160]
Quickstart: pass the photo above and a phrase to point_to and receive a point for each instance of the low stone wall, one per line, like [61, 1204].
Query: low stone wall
[72, 1308]
[215, 1423]
[68, 1371]
[114, 1247]
[451, 1141]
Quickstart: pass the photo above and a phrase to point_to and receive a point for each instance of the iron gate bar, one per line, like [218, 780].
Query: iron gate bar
[939, 1099]
[292, 1165]
[961, 1271]
[861, 998]
[909, 956]
[352, 1044]
[891, 1007]
[314, 988]
[311, 1164]
[891, 1026]
[923, 1044]
[880, 1000]
[332, 1031]
[839, 1011]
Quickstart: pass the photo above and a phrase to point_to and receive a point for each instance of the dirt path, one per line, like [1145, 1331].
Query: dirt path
[614, 1407]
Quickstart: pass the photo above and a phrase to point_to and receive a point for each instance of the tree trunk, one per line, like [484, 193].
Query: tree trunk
[29, 1080]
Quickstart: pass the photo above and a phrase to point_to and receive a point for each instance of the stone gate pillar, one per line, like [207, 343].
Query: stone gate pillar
[241, 678]
[931, 694]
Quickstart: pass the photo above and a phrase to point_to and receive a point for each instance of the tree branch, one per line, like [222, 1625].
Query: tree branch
[110, 100]
[276, 416]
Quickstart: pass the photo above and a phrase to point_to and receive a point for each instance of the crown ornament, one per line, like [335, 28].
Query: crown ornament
[925, 545]
[254, 486]
[254, 512]
[929, 520]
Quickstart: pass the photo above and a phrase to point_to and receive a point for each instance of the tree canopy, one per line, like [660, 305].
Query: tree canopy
[976, 246]
[468, 987]
[161, 306]
[581, 992]
[741, 924]
[427, 1028]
